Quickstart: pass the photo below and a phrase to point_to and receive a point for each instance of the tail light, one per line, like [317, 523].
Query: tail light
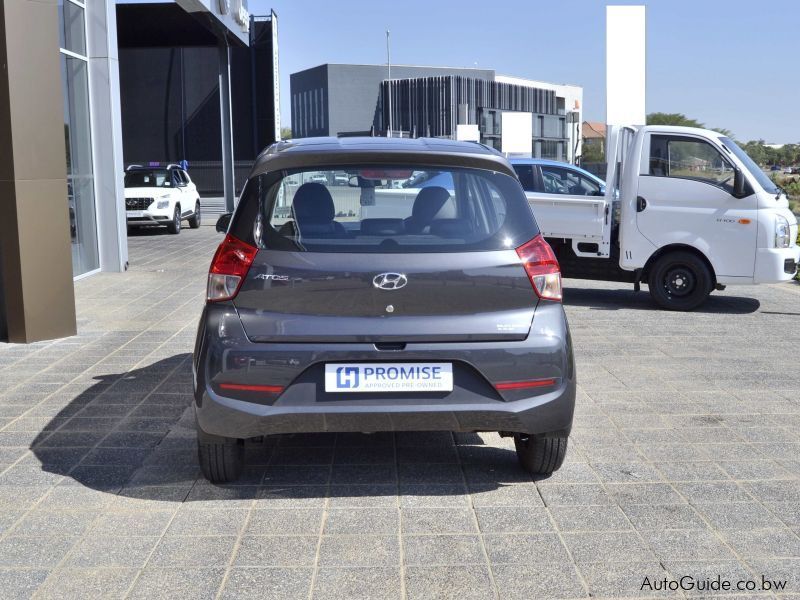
[228, 268]
[542, 268]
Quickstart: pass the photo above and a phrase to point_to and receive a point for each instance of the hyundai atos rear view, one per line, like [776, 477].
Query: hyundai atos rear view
[418, 295]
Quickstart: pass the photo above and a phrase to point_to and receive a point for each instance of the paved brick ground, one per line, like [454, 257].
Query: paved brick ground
[684, 461]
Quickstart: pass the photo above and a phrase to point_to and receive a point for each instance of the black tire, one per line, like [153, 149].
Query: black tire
[680, 280]
[540, 455]
[174, 226]
[221, 459]
[196, 218]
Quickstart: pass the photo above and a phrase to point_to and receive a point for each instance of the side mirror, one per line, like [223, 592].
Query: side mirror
[739, 184]
[353, 181]
[223, 222]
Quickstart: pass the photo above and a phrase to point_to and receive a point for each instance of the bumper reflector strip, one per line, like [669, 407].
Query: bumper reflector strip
[270, 389]
[520, 385]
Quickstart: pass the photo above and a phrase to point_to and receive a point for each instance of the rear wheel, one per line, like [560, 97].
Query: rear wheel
[221, 459]
[540, 455]
[194, 220]
[174, 226]
[680, 281]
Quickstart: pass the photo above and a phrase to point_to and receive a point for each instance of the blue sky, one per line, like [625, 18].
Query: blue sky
[727, 63]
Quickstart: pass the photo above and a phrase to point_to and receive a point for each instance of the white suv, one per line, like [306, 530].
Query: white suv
[161, 196]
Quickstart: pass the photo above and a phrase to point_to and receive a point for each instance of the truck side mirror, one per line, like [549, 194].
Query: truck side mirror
[739, 184]
[223, 222]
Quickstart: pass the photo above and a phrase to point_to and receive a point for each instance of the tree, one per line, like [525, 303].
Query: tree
[659, 118]
[286, 133]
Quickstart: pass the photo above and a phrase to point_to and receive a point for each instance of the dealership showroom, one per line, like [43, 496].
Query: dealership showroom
[682, 473]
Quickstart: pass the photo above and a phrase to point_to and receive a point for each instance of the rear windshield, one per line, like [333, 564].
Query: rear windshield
[395, 209]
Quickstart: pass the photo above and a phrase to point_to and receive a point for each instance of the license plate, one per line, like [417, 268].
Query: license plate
[135, 213]
[389, 377]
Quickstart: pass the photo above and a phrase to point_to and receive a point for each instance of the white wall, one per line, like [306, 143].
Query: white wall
[573, 101]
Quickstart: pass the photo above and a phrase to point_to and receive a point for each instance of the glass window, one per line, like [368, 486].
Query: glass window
[395, 209]
[80, 180]
[559, 180]
[72, 33]
[689, 158]
[525, 174]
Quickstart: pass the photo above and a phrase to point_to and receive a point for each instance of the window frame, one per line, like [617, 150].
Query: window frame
[670, 137]
[581, 177]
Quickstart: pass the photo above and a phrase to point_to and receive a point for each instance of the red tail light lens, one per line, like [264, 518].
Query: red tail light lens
[228, 268]
[542, 268]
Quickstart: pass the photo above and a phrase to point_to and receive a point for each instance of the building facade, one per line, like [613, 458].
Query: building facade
[62, 213]
[418, 101]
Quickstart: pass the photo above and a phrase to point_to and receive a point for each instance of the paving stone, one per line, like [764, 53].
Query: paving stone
[689, 544]
[509, 519]
[764, 543]
[72, 523]
[664, 516]
[532, 581]
[624, 579]
[273, 583]
[574, 495]
[34, 552]
[21, 583]
[87, 583]
[177, 583]
[359, 551]
[357, 583]
[452, 582]
[195, 551]
[488, 494]
[517, 548]
[739, 515]
[372, 521]
[277, 551]
[429, 550]
[438, 520]
[120, 552]
[607, 547]
[207, 522]
[284, 521]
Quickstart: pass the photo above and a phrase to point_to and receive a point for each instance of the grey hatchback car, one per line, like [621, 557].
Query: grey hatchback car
[418, 296]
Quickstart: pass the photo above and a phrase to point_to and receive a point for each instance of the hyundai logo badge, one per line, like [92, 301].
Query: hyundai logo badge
[389, 281]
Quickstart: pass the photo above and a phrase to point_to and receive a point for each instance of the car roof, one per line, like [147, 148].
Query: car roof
[339, 152]
[553, 163]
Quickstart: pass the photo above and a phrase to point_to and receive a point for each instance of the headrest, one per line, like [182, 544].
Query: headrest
[313, 204]
[428, 203]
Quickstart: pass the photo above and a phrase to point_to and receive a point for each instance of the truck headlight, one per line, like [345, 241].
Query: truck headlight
[783, 238]
[165, 204]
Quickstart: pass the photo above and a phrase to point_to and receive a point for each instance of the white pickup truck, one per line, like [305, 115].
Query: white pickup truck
[695, 214]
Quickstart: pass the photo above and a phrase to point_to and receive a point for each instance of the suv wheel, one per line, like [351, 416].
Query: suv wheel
[194, 220]
[175, 225]
[540, 455]
[221, 459]
[680, 281]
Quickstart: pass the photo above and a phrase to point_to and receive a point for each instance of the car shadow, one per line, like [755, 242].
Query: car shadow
[132, 433]
[628, 299]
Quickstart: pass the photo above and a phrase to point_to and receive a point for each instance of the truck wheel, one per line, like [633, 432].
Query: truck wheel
[680, 281]
[540, 455]
[221, 459]
[194, 220]
[174, 226]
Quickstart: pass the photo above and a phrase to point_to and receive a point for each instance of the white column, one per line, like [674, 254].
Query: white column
[625, 65]
[106, 120]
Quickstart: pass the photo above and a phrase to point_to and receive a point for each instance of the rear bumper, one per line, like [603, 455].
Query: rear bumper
[304, 407]
[774, 265]
[549, 413]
